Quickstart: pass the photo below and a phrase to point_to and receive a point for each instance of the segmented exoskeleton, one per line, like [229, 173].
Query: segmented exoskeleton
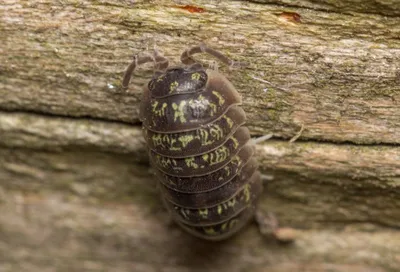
[200, 149]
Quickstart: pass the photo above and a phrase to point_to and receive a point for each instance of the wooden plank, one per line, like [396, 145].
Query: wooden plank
[49, 232]
[341, 71]
[330, 184]
[76, 191]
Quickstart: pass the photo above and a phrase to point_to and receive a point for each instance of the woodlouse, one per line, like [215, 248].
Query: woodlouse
[198, 145]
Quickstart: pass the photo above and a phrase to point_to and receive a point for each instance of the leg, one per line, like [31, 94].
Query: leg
[186, 57]
[160, 63]
[262, 138]
[269, 226]
[214, 66]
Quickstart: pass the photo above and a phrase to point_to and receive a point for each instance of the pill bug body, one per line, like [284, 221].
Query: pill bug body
[200, 149]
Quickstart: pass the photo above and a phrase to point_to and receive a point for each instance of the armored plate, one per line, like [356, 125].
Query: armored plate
[188, 111]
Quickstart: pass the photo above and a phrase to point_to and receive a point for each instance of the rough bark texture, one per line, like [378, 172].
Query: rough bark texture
[76, 192]
[341, 71]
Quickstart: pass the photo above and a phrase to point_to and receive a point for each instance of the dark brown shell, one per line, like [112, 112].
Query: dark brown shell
[189, 111]
[221, 211]
[213, 197]
[178, 81]
[213, 180]
[201, 152]
[197, 141]
[203, 163]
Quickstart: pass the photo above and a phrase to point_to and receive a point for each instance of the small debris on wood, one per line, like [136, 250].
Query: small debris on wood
[191, 9]
[290, 17]
[298, 134]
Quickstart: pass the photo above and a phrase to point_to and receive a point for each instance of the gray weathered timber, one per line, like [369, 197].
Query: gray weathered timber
[342, 198]
[76, 191]
[341, 71]
[331, 184]
[44, 132]
[49, 232]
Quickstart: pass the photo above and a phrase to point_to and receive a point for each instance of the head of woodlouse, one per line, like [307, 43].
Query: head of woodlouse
[185, 98]
[178, 80]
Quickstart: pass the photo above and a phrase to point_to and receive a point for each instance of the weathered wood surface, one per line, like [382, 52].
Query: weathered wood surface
[86, 236]
[341, 71]
[93, 205]
[334, 184]
[76, 193]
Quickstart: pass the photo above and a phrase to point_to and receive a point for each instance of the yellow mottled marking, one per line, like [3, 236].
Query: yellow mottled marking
[236, 161]
[246, 192]
[229, 121]
[160, 111]
[219, 209]
[154, 105]
[213, 108]
[205, 157]
[166, 162]
[232, 223]
[204, 135]
[223, 226]
[170, 142]
[221, 100]
[156, 138]
[203, 213]
[216, 132]
[231, 203]
[210, 231]
[185, 139]
[173, 86]
[196, 76]
[227, 170]
[235, 142]
[178, 111]
[160, 78]
[218, 155]
[190, 163]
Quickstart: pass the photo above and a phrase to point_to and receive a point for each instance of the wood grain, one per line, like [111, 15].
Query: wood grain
[76, 190]
[341, 72]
